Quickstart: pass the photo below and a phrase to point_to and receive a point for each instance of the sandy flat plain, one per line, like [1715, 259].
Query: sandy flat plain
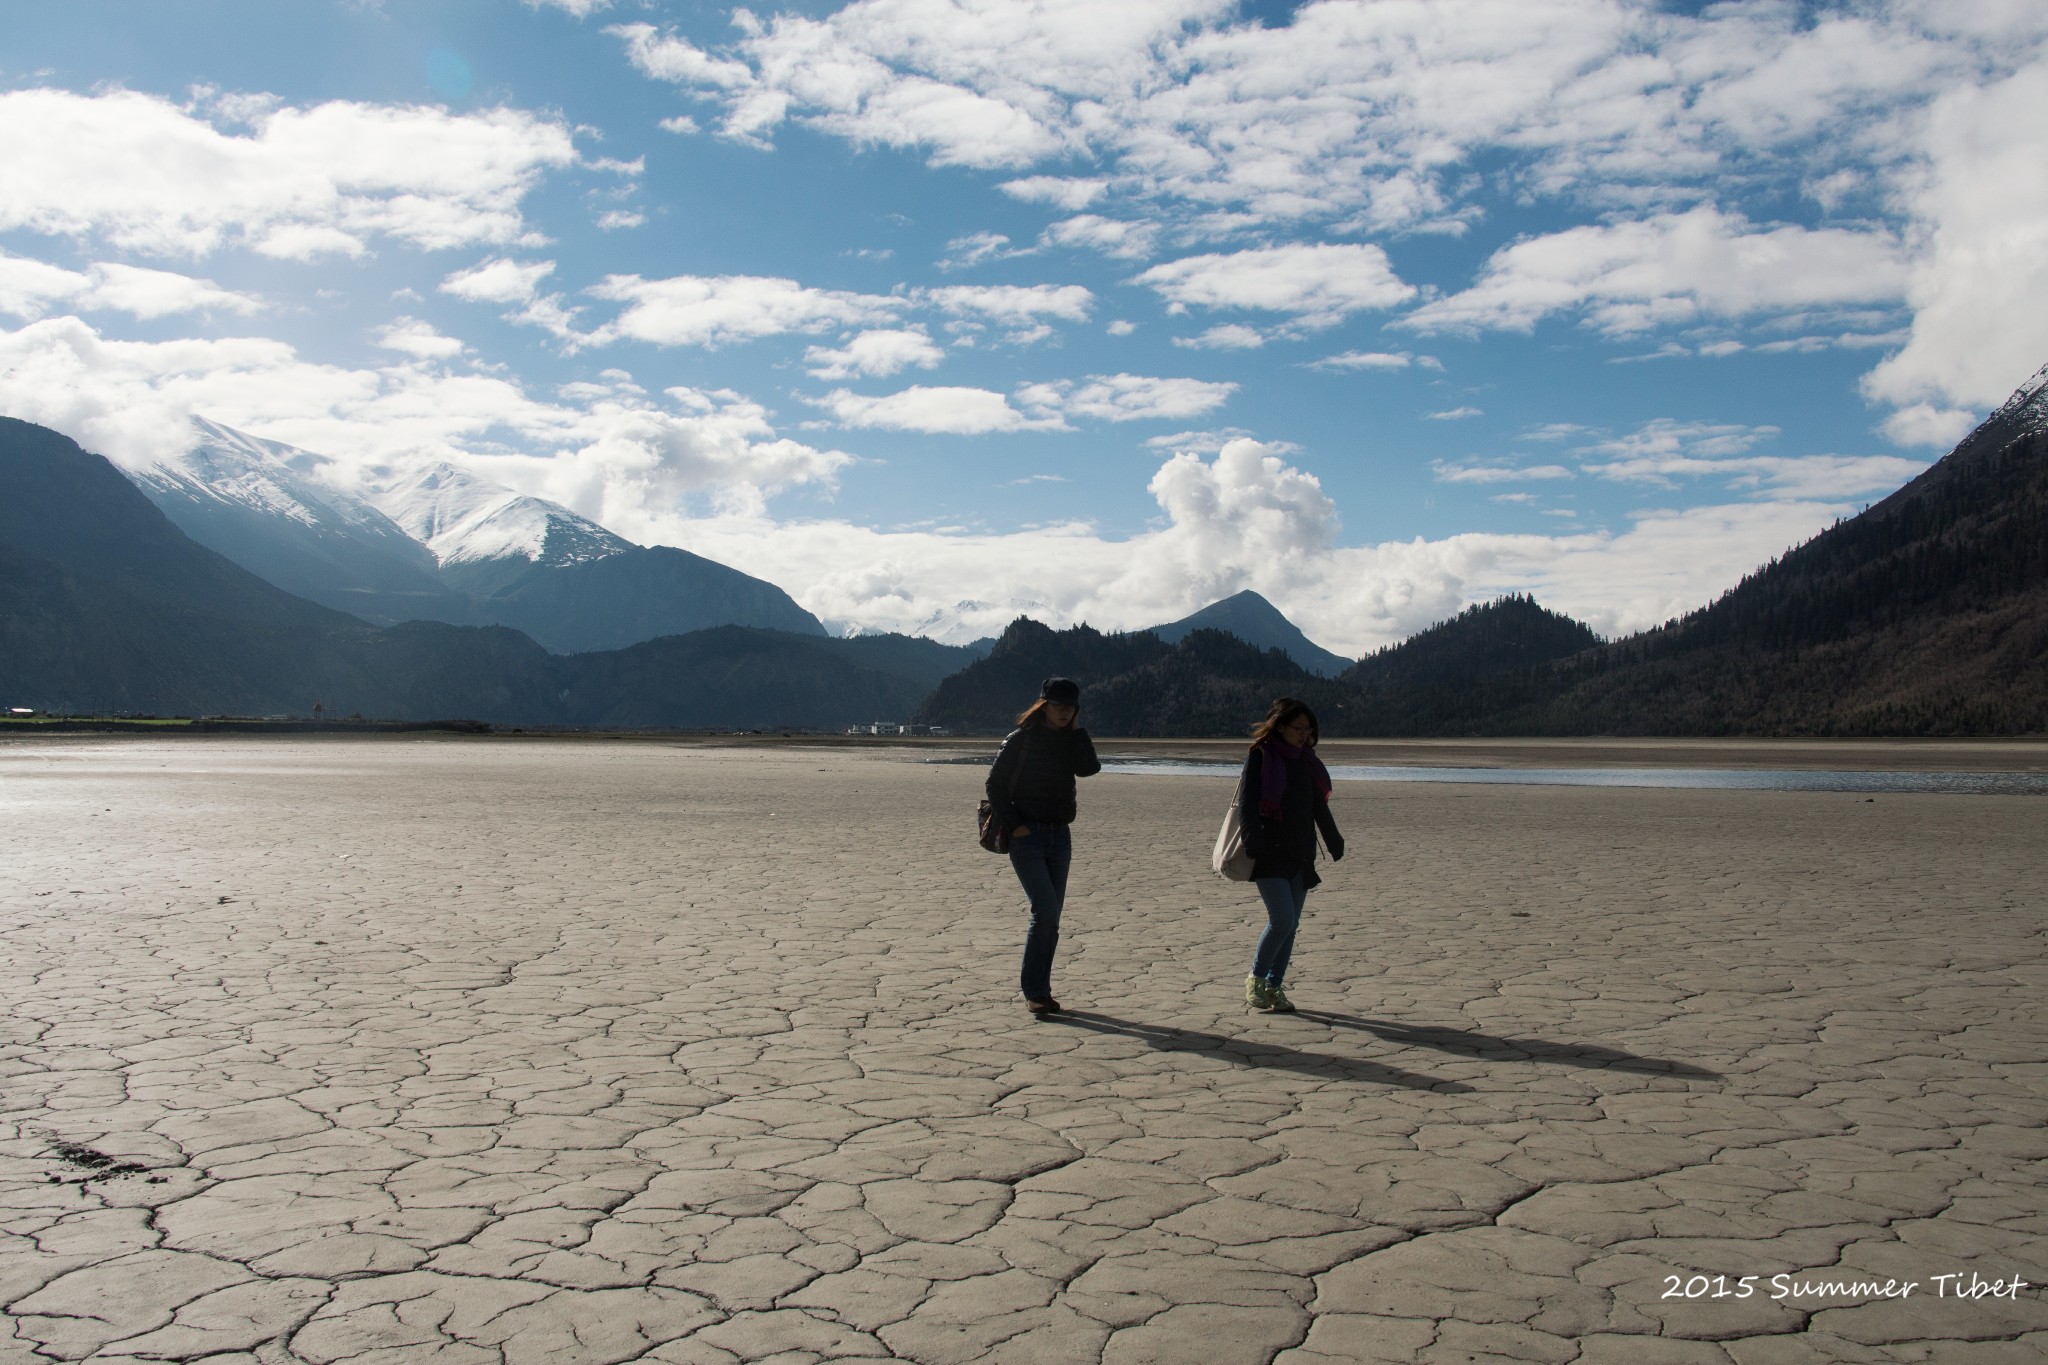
[501, 1051]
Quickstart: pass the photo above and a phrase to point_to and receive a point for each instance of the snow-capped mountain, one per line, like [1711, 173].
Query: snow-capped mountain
[971, 619]
[465, 519]
[440, 543]
[271, 508]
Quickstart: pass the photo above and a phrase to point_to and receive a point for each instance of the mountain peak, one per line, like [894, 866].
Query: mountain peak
[1256, 621]
[464, 518]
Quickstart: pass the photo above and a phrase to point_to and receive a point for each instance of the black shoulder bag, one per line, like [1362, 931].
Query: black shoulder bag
[996, 838]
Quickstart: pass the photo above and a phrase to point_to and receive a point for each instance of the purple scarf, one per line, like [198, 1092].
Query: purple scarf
[1273, 773]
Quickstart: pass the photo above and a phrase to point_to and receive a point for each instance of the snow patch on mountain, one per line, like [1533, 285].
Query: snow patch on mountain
[228, 466]
[464, 518]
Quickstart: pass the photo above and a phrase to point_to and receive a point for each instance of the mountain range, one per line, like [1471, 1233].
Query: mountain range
[1926, 614]
[107, 606]
[437, 543]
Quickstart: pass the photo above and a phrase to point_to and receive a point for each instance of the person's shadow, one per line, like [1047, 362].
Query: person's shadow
[1589, 1055]
[1256, 1052]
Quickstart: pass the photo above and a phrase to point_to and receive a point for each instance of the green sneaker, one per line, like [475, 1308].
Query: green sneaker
[1277, 1001]
[1258, 995]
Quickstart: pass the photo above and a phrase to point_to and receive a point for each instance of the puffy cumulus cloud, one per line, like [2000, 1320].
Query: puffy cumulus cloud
[30, 288]
[880, 352]
[1979, 289]
[703, 310]
[1631, 277]
[1127, 397]
[1243, 519]
[1012, 303]
[151, 176]
[1319, 283]
[941, 410]
[499, 280]
[602, 448]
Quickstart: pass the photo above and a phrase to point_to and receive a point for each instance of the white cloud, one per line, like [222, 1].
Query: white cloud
[1067, 192]
[700, 310]
[1368, 360]
[147, 175]
[1122, 327]
[613, 220]
[499, 281]
[606, 451]
[1119, 237]
[973, 249]
[582, 9]
[30, 288]
[1924, 424]
[879, 352]
[1127, 397]
[1231, 336]
[1979, 288]
[1320, 283]
[1630, 277]
[1352, 111]
[1449, 472]
[935, 409]
[1453, 414]
[1012, 303]
[418, 339]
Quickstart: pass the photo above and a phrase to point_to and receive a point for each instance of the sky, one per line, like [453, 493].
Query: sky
[938, 312]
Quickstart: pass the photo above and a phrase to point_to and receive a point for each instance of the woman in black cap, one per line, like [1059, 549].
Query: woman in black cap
[1031, 794]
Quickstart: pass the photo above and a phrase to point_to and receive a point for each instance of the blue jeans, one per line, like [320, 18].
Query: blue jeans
[1284, 898]
[1040, 860]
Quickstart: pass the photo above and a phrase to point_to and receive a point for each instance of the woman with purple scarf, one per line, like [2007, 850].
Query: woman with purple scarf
[1285, 799]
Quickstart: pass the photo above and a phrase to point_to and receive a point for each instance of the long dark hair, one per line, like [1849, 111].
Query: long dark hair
[1280, 715]
[1034, 714]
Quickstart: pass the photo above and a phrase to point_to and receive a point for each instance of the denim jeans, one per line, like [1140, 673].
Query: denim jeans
[1040, 859]
[1284, 898]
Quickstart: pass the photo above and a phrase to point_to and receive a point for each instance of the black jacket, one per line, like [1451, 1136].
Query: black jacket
[1283, 847]
[1042, 763]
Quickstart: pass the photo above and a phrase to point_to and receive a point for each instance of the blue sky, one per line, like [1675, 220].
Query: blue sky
[933, 311]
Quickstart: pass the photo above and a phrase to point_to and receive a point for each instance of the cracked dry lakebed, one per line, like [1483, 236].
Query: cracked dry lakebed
[495, 1051]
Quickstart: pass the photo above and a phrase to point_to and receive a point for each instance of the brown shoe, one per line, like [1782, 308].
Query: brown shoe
[1044, 1004]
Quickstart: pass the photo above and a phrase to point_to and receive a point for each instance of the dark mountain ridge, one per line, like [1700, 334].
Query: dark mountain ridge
[1927, 614]
[1254, 620]
[106, 606]
[1507, 633]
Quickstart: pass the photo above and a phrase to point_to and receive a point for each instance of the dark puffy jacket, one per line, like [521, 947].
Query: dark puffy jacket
[1283, 847]
[1042, 763]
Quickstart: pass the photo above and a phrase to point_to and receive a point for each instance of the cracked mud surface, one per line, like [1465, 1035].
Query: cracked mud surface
[501, 1053]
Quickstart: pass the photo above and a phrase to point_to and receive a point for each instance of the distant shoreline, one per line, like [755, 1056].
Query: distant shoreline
[2027, 754]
